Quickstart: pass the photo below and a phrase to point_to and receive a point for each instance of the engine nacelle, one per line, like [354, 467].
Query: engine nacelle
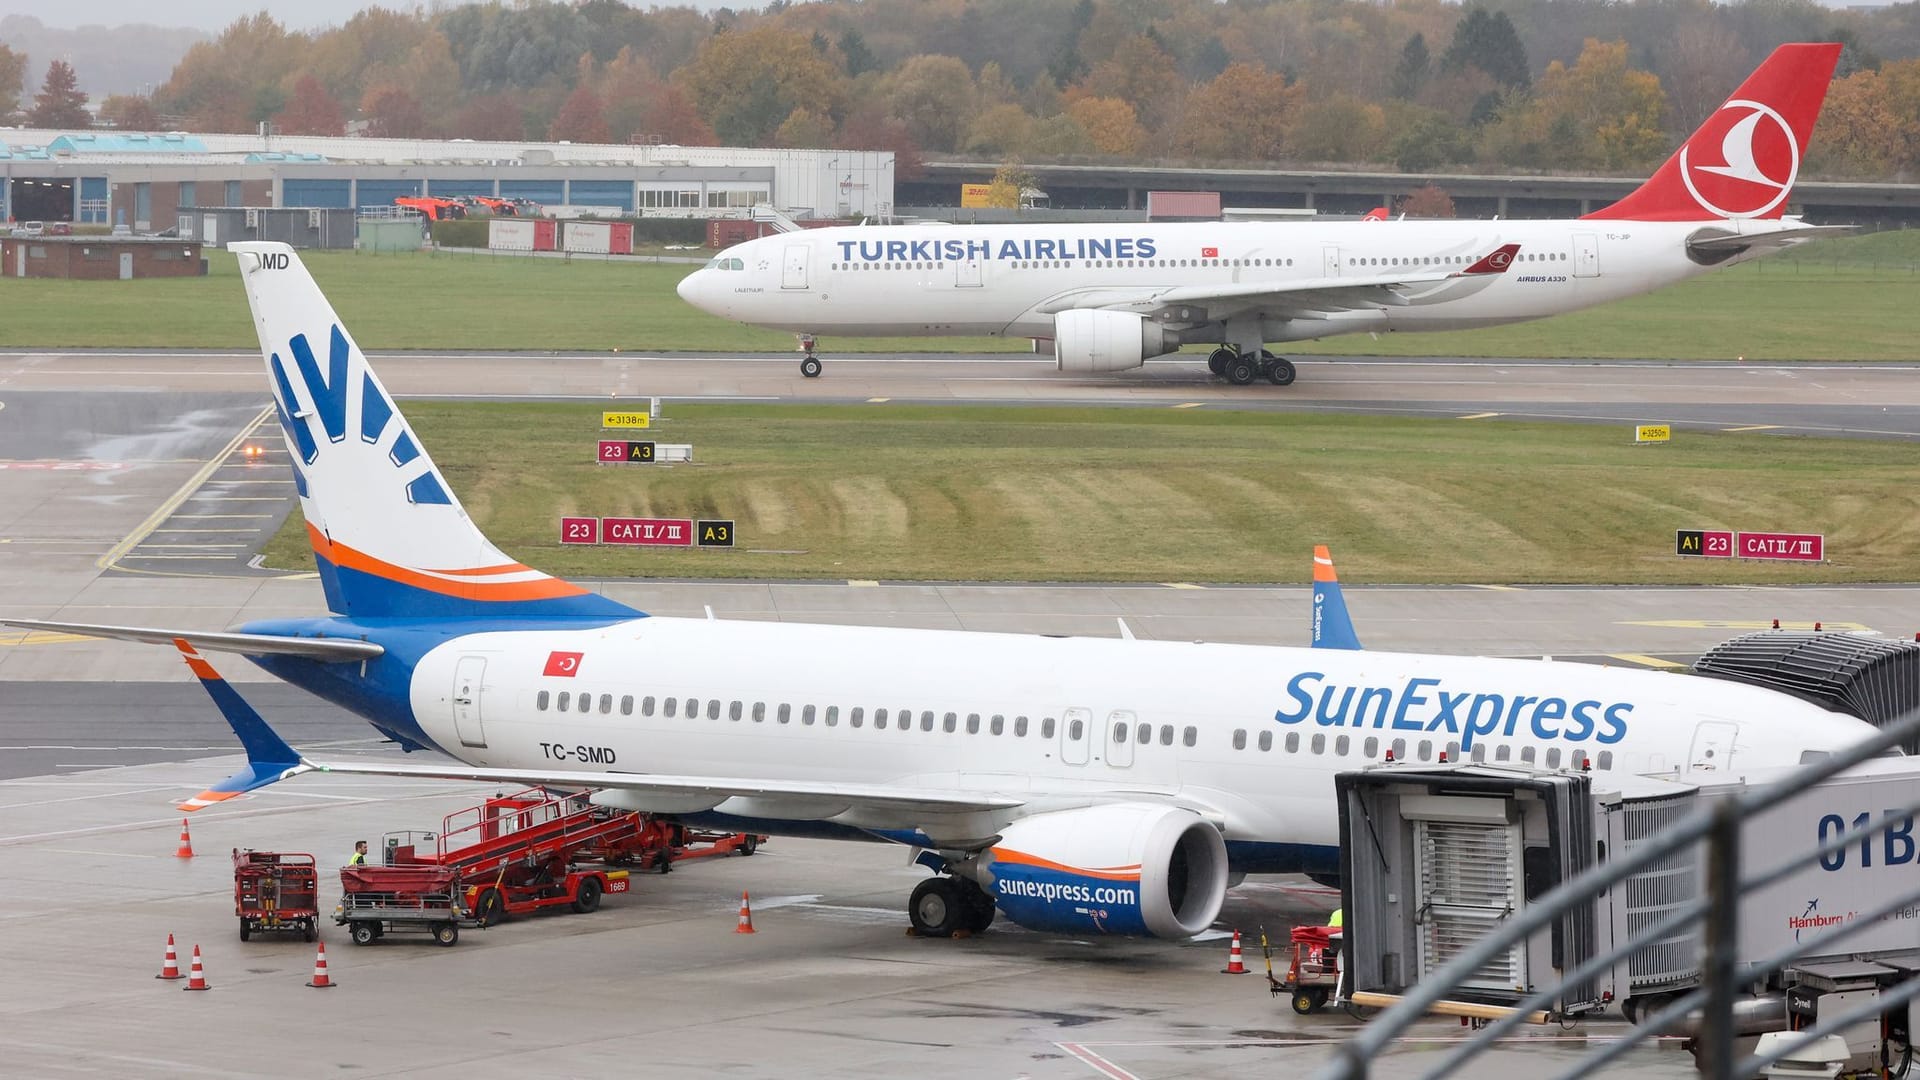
[1086, 340]
[1129, 868]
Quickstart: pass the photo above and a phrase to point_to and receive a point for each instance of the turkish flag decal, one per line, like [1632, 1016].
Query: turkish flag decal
[564, 664]
[1210, 253]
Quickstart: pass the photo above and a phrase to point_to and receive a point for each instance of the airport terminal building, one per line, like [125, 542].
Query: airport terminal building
[141, 179]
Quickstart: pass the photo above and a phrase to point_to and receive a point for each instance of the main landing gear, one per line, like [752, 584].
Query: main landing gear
[1241, 368]
[809, 364]
[944, 906]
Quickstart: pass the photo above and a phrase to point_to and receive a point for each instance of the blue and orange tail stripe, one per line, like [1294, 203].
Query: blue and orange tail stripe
[381, 588]
[1332, 626]
[269, 758]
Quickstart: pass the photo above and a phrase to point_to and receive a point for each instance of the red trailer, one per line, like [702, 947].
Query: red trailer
[275, 892]
[380, 900]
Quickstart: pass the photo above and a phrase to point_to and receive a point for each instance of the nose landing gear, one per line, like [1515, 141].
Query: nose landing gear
[809, 364]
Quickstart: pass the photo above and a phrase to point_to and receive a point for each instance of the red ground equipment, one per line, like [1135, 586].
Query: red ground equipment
[487, 204]
[433, 207]
[276, 892]
[1314, 973]
[657, 845]
[380, 900]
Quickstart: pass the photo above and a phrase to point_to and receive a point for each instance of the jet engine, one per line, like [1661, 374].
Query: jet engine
[1127, 868]
[1087, 340]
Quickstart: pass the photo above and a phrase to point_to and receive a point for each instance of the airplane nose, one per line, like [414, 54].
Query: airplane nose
[689, 288]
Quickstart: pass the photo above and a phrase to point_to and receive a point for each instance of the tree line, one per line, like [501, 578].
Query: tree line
[1417, 85]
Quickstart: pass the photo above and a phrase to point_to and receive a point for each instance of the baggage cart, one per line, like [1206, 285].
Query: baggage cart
[275, 892]
[379, 900]
[1313, 973]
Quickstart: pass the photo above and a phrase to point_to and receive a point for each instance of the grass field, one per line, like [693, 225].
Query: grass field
[889, 492]
[1856, 298]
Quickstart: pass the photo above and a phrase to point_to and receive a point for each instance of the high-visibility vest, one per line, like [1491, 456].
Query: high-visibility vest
[359, 859]
[1338, 919]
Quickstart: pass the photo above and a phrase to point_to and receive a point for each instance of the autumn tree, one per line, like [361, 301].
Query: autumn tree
[870, 128]
[1009, 180]
[1427, 201]
[60, 102]
[1599, 113]
[854, 54]
[1110, 123]
[999, 130]
[803, 129]
[1139, 73]
[13, 80]
[494, 117]
[933, 96]
[129, 112]
[393, 113]
[1870, 125]
[1339, 128]
[311, 111]
[747, 82]
[1240, 116]
[673, 119]
[232, 82]
[582, 119]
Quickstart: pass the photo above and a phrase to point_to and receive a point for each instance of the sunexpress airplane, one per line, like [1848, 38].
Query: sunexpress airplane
[1075, 784]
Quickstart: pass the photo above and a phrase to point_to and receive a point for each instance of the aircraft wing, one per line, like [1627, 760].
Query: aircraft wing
[329, 650]
[1310, 298]
[872, 797]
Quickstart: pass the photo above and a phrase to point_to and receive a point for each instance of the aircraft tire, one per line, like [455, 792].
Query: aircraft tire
[1280, 372]
[937, 908]
[810, 367]
[1240, 370]
[1218, 358]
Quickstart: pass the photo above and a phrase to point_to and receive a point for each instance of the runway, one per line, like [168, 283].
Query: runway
[1875, 401]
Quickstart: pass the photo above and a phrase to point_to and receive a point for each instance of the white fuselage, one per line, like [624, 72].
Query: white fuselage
[1010, 280]
[1251, 734]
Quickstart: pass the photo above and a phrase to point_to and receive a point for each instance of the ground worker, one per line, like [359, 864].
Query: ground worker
[1337, 919]
[359, 857]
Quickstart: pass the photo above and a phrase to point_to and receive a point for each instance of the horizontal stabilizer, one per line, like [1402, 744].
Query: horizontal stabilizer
[269, 758]
[1332, 627]
[1715, 241]
[326, 650]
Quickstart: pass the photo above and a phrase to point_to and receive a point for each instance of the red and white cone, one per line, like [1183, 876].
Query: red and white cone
[198, 981]
[746, 916]
[186, 842]
[1234, 964]
[170, 968]
[320, 980]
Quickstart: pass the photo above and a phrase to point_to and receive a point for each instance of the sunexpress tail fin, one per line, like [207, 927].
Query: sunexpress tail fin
[1332, 628]
[269, 758]
[389, 537]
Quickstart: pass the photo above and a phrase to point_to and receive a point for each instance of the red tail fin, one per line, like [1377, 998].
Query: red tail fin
[1744, 159]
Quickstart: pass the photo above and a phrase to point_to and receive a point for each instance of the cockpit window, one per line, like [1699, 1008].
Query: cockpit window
[726, 264]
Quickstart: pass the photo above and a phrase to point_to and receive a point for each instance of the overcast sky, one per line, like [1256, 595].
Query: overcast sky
[212, 15]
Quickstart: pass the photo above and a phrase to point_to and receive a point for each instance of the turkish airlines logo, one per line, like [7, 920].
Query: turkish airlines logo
[1755, 146]
[1501, 259]
[563, 664]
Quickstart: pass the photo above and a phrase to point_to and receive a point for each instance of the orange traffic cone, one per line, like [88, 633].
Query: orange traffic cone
[1234, 964]
[198, 981]
[746, 916]
[170, 969]
[186, 845]
[320, 980]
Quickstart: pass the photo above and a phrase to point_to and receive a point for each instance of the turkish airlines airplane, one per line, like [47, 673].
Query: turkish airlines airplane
[1110, 296]
[1076, 784]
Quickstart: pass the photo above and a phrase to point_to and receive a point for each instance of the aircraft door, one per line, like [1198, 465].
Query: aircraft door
[1712, 746]
[1332, 256]
[467, 684]
[793, 270]
[1075, 735]
[967, 273]
[1586, 255]
[1120, 738]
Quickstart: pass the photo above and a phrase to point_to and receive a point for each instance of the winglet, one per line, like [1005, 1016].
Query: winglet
[1332, 628]
[1495, 262]
[269, 758]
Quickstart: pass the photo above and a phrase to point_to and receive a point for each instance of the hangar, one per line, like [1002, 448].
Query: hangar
[141, 180]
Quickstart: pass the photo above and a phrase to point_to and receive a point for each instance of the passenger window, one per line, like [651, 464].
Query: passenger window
[1503, 753]
[1553, 757]
[926, 720]
[833, 716]
[1120, 732]
[713, 709]
[879, 719]
[1144, 734]
[1192, 735]
[1076, 730]
[1166, 734]
[1480, 752]
[1293, 742]
[542, 700]
[998, 724]
[1239, 738]
[1453, 751]
[646, 706]
[669, 707]
[1318, 745]
[606, 703]
[626, 705]
[759, 712]
[693, 708]
[856, 717]
[734, 710]
[1526, 754]
[973, 723]
[1266, 740]
[1340, 745]
[1046, 727]
[1019, 727]
[566, 699]
[948, 722]
[1426, 750]
[1370, 748]
[1606, 759]
[1399, 750]
[784, 714]
[806, 714]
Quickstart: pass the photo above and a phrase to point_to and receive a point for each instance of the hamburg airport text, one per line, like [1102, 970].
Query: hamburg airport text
[1423, 705]
[1138, 247]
